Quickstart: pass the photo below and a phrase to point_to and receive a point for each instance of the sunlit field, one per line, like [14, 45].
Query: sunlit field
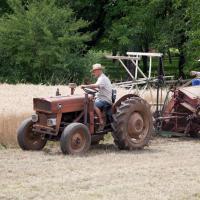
[17, 104]
[167, 169]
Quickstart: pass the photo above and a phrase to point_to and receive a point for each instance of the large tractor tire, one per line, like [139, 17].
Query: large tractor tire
[132, 124]
[75, 139]
[28, 139]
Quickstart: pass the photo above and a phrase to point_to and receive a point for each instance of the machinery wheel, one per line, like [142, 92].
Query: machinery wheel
[75, 139]
[132, 124]
[27, 139]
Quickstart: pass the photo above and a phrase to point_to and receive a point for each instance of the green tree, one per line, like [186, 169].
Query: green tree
[171, 27]
[129, 26]
[93, 11]
[4, 7]
[40, 42]
[193, 44]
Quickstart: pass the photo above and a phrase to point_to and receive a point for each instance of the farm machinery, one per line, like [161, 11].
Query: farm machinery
[72, 121]
[180, 113]
[175, 110]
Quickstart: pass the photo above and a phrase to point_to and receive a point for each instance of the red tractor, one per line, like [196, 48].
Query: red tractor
[72, 120]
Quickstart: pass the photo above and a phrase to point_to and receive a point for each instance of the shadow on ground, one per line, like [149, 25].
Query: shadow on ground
[101, 149]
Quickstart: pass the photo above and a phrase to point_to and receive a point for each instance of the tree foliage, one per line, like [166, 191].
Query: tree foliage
[193, 44]
[129, 25]
[40, 40]
[50, 41]
[4, 7]
[171, 28]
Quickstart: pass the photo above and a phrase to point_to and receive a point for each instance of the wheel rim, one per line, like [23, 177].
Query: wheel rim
[78, 141]
[137, 128]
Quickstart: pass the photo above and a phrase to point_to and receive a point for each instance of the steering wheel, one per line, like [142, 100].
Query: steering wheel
[90, 91]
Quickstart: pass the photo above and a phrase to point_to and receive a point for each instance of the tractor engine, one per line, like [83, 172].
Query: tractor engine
[51, 114]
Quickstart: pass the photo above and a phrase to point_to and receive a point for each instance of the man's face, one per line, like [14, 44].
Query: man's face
[96, 73]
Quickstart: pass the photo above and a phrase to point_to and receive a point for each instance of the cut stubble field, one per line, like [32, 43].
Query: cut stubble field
[167, 169]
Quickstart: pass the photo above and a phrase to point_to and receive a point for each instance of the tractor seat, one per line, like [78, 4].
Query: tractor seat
[114, 95]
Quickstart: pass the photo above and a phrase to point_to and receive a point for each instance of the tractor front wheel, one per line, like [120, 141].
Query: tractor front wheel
[28, 139]
[75, 139]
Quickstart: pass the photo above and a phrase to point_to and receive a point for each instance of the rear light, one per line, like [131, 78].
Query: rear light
[34, 117]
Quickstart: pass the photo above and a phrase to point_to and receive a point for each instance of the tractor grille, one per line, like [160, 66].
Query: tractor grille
[42, 119]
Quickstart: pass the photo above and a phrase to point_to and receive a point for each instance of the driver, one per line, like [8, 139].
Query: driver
[104, 95]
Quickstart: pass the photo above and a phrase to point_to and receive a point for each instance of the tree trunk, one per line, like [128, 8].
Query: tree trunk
[145, 59]
[145, 64]
[131, 68]
[181, 65]
[169, 56]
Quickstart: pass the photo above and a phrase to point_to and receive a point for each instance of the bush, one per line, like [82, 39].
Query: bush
[41, 42]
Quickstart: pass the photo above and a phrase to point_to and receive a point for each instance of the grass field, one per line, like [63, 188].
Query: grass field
[167, 169]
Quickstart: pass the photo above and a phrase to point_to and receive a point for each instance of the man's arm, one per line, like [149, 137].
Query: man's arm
[195, 73]
[92, 86]
[99, 84]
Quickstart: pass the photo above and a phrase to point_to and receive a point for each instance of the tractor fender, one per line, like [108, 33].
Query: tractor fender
[123, 98]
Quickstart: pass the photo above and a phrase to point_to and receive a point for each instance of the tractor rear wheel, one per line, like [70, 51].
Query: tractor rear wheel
[28, 139]
[75, 139]
[132, 124]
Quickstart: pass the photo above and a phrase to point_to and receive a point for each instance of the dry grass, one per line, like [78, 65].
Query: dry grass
[16, 105]
[168, 169]
[8, 127]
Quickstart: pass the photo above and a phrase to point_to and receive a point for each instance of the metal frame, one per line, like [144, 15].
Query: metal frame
[140, 82]
[139, 78]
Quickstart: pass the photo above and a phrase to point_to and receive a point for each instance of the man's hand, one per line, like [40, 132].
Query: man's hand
[195, 73]
[84, 86]
[90, 96]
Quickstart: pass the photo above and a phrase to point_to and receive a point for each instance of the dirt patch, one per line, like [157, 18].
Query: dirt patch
[167, 169]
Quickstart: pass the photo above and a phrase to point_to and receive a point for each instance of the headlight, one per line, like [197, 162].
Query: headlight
[51, 122]
[34, 117]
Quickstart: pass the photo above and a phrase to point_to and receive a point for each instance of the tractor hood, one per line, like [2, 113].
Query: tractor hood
[70, 103]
